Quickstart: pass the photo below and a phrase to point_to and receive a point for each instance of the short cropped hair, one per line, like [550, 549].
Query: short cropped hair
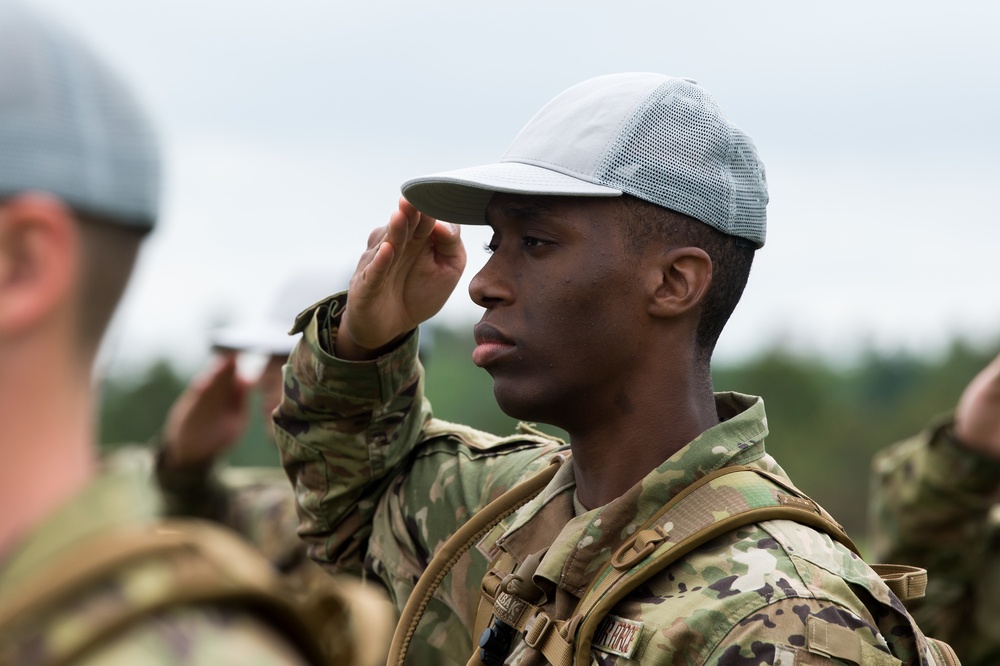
[108, 253]
[732, 257]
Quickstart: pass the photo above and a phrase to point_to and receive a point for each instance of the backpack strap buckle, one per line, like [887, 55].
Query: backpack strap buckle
[538, 628]
[637, 548]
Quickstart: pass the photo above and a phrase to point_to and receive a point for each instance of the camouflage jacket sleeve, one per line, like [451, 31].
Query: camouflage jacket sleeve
[256, 502]
[342, 428]
[194, 491]
[348, 431]
[197, 491]
[934, 506]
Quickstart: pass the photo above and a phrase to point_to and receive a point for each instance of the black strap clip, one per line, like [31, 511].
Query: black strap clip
[495, 643]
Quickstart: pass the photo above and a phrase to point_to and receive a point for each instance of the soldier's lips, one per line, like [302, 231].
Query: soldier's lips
[489, 352]
[491, 344]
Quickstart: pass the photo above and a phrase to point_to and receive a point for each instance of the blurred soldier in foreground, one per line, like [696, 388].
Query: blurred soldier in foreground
[936, 504]
[88, 575]
[207, 420]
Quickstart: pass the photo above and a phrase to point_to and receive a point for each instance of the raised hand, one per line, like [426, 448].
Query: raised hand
[405, 276]
[208, 418]
[977, 417]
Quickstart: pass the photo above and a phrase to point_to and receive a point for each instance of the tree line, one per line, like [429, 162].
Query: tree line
[827, 418]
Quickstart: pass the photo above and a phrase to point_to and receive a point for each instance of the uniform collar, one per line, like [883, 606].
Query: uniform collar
[586, 541]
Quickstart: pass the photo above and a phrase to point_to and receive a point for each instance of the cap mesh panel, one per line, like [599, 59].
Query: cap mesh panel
[681, 152]
[70, 126]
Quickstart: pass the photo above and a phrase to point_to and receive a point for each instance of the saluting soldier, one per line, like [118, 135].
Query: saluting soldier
[352, 618]
[935, 505]
[625, 218]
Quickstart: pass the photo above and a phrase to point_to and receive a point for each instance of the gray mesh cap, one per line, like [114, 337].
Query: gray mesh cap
[659, 138]
[69, 126]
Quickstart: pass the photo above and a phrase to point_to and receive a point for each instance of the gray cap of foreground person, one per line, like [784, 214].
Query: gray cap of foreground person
[69, 126]
[659, 138]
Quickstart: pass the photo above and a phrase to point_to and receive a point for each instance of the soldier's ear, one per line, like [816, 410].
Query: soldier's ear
[684, 274]
[39, 260]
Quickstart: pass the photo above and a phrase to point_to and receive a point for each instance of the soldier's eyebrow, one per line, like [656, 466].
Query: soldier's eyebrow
[526, 209]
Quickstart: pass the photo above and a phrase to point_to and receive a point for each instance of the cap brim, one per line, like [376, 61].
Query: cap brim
[461, 196]
[260, 338]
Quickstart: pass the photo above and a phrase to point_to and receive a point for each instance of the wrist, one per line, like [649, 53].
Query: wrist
[347, 348]
[956, 464]
[971, 442]
[168, 461]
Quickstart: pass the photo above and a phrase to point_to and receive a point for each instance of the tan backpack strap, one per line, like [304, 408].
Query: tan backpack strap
[90, 561]
[501, 566]
[944, 653]
[516, 608]
[676, 530]
[205, 564]
[552, 638]
[908, 583]
[701, 521]
[455, 547]
[540, 631]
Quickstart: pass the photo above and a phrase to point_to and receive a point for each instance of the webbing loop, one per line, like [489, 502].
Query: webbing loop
[538, 627]
[637, 548]
[906, 582]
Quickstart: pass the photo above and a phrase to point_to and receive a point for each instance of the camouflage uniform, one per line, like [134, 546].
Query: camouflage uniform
[377, 477]
[354, 620]
[188, 634]
[256, 502]
[934, 505]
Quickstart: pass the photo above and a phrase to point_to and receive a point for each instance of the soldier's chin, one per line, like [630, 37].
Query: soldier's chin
[519, 402]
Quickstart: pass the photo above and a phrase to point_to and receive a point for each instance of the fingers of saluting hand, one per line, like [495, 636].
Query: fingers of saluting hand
[220, 375]
[222, 387]
[377, 270]
[977, 417]
[384, 245]
[448, 240]
[408, 229]
[397, 232]
[398, 244]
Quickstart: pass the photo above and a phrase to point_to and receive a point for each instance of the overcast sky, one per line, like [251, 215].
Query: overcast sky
[289, 125]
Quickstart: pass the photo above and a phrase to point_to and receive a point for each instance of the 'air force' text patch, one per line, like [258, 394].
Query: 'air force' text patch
[616, 635]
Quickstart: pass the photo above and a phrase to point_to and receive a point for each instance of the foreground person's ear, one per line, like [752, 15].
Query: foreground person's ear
[685, 274]
[39, 241]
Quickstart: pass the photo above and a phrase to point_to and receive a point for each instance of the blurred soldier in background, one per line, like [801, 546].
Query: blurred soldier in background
[88, 574]
[935, 505]
[212, 414]
[207, 421]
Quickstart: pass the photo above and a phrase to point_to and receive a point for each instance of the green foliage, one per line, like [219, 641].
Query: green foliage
[133, 406]
[255, 448]
[826, 419]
